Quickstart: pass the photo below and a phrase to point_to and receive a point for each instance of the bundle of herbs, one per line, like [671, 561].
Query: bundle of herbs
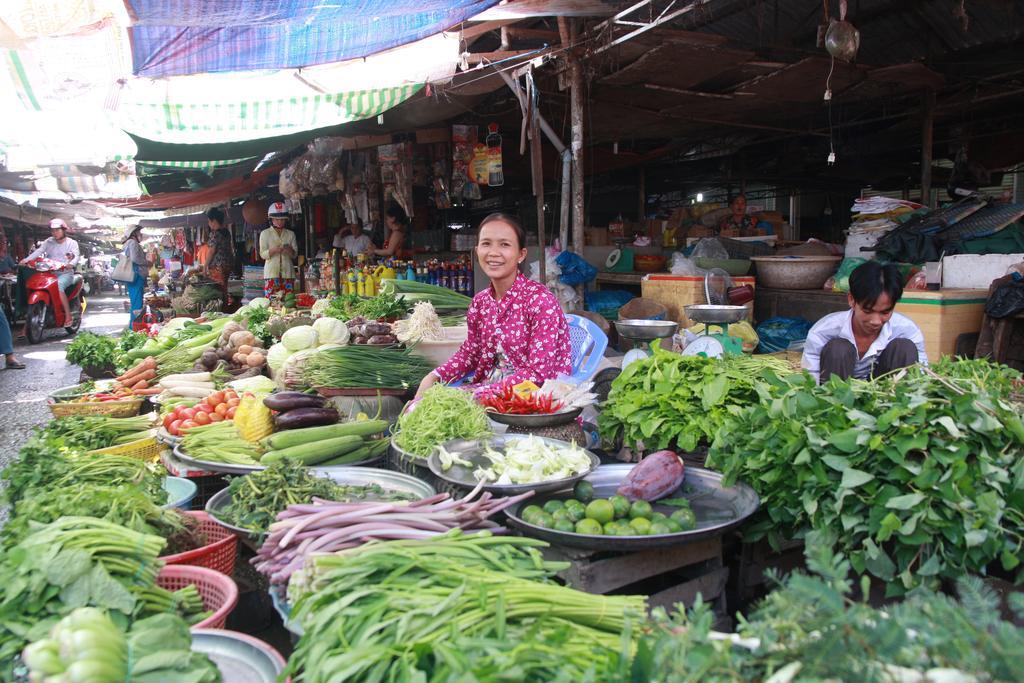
[402, 611]
[91, 432]
[673, 401]
[919, 475]
[812, 628]
[92, 350]
[366, 367]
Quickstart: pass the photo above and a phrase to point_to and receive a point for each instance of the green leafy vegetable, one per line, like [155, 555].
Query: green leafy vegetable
[918, 476]
[88, 349]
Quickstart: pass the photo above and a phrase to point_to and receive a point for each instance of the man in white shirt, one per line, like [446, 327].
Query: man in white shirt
[870, 339]
[356, 242]
[61, 248]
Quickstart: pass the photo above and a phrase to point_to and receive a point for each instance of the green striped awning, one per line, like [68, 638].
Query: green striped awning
[204, 166]
[234, 120]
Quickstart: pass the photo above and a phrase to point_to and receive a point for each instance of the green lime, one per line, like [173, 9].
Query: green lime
[672, 524]
[589, 527]
[660, 528]
[529, 511]
[686, 519]
[640, 508]
[561, 514]
[621, 505]
[583, 491]
[600, 510]
[552, 505]
[641, 526]
[658, 516]
[612, 529]
[564, 525]
[575, 510]
[543, 519]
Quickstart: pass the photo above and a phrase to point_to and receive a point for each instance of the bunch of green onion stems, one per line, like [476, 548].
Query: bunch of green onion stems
[370, 613]
[366, 367]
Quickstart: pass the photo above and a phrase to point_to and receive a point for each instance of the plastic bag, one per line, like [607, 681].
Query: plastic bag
[552, 270]
[1007, 300]
[917, 281]
[709, 247]
[680, 265]
[842, 276]
[575, 271]
[742, 330]
[777, 334]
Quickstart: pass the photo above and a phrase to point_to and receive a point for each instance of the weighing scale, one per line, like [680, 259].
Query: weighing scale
[643, 332]
[620, 260]
[717, 311]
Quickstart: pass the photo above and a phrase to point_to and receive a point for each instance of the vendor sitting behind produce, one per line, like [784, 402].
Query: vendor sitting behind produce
[869, 340]
[517, 330]
[352, 239]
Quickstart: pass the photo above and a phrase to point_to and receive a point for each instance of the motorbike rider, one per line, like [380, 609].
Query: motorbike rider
[61, 248]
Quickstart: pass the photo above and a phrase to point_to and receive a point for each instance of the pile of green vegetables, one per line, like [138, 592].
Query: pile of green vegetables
[86, 645]
[366, 367]
[811, 629]
[668, 400]
[88, 349]
[442, 414]
[917, 476]
[257, 498]
[382, 306]
[123, 505]
[45, 469]
[82, 562]
[91, 432]
[467, 607]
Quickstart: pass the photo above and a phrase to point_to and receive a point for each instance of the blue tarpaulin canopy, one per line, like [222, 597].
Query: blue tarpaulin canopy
[179, 37]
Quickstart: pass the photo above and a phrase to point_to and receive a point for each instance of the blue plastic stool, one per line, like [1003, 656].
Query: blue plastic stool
[588, 344]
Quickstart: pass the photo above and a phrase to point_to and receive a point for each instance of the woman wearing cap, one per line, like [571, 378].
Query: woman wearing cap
[278, 249]
[220, 257]
[133, 252]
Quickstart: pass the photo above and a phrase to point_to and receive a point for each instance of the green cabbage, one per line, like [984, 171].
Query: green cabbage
[299, 338]
[277, 355]
[259, 302]
[331, 331]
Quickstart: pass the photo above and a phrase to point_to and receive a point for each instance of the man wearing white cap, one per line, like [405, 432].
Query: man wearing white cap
[61, 248]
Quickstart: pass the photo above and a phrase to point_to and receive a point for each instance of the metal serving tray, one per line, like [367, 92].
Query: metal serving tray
[717, 508]
[536, 421]
[240, 658]
[219, 467]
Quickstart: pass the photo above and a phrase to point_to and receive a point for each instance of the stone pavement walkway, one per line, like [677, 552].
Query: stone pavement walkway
[23, 393]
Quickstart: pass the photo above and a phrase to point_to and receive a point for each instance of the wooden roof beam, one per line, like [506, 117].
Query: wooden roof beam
[523, 9]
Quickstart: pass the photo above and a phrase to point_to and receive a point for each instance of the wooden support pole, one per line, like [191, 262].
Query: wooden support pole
[641, 194]
[576, 144]
[927, 141]
[538, 189]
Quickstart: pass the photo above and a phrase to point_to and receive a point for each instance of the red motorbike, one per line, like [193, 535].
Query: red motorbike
[44, 308]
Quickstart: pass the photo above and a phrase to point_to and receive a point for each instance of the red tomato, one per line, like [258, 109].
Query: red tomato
[233, 402]
[168, 419]
[216, 398]
[216, 417]
[230, 394]
[175, 428]
[187, 424]
[203, 407]
[221, 409]
[188, 413]
[231, 413]
[202, 418]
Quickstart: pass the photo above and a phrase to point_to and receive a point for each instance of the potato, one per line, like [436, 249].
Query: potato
[238, 359]
[245, 349]
[255, 359]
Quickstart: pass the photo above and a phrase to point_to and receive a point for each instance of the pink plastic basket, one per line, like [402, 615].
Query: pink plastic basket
[219, 592]
[219, 554]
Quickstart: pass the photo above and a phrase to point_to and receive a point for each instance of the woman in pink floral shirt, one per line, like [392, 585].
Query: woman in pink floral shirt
[517, 331]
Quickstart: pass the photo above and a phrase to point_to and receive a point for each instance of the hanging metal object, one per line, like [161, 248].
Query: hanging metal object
[842, 39]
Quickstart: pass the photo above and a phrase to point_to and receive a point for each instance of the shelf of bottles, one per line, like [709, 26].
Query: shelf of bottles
[363, 277]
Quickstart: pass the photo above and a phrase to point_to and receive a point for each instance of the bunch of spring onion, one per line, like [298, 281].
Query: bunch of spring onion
[411, 291]
[383, 610]
[91, 432]
[220, 442]
[442, 414]
[325, 526]
[366, 367]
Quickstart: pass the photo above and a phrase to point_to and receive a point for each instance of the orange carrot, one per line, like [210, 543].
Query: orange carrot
[149, 391]
[146, 365]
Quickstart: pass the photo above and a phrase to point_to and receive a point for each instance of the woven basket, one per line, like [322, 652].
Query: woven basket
[147, 449]
[219, 592]
[128, 408]
[219, 554]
